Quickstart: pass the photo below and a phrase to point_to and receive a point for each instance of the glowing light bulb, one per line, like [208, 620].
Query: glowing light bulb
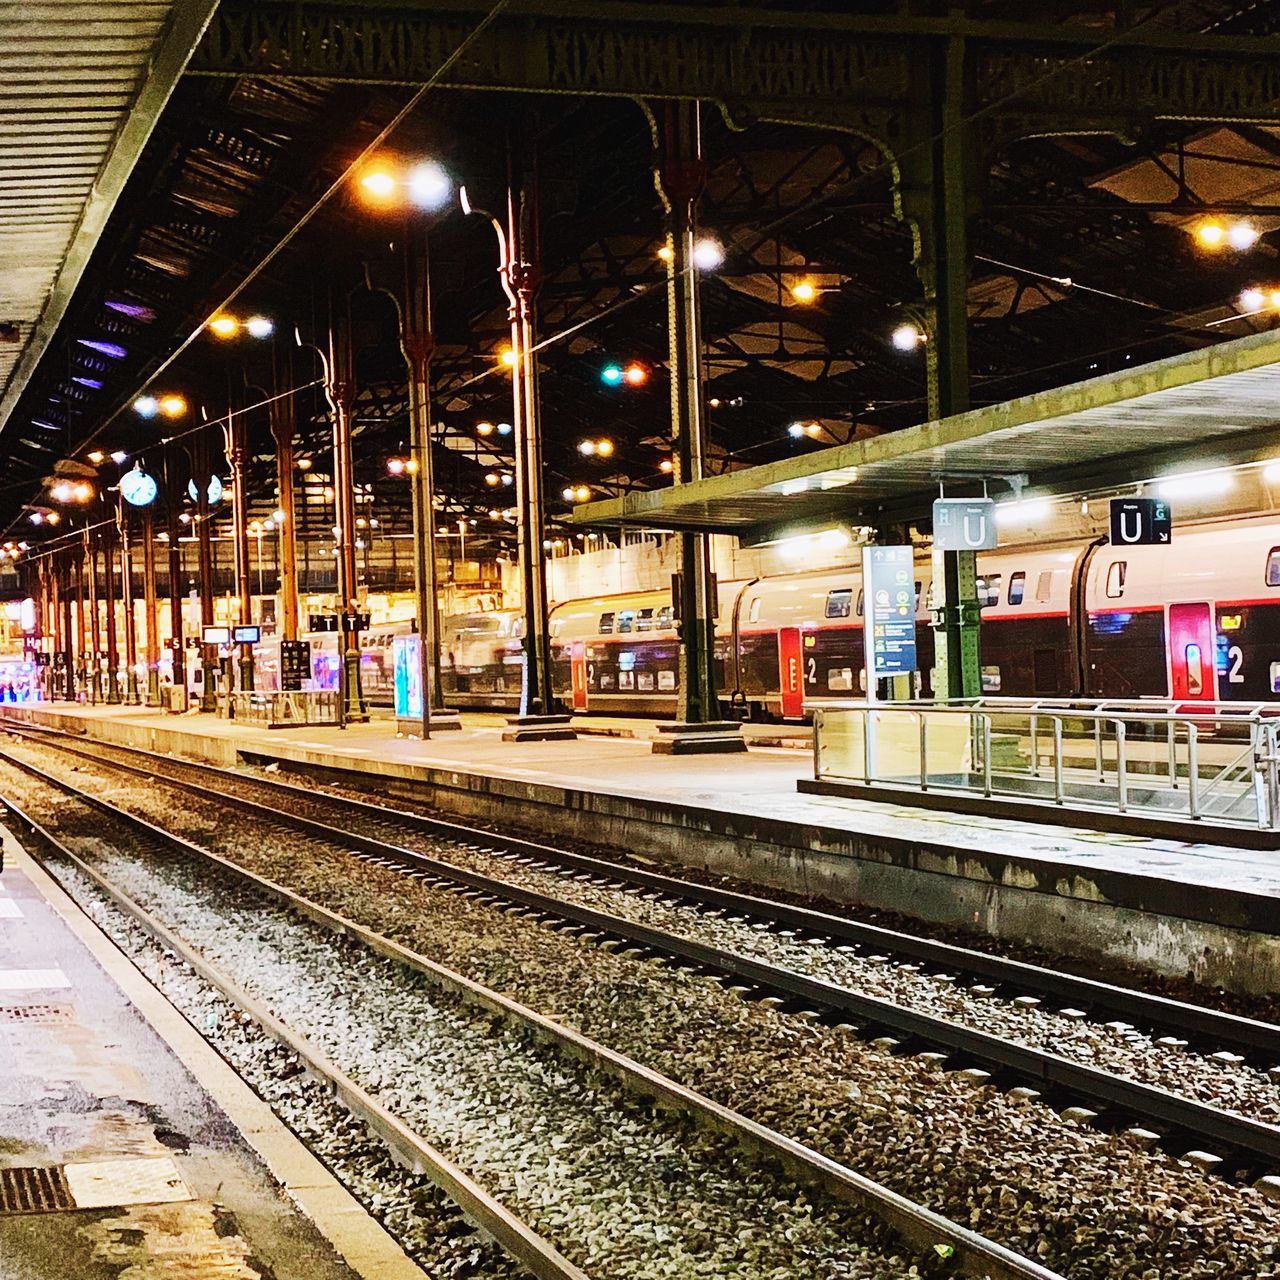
[224, 326]
[906, 337]
[587, 448]
[484, 428]
[1210, 234]
[146, 406]
[1253, 300]
[636, 375]
[1241, 236]
[604, 448]
[708, 254]
[173, 406]
[508, 357]
[429, 185]
[611, 374]
[666, 466]
[395, 466]
[666, 253]
[378, 184]
[259, 327]
[804, 291]
[582, 493]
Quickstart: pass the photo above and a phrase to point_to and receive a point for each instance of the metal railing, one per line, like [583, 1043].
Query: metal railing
[285, 709]
[1214, 762]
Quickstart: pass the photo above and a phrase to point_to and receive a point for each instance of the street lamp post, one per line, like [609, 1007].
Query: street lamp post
[126, 599]
[95, 624]
[521, 276]
[236, 457]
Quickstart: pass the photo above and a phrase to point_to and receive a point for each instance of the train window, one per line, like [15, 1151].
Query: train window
[626, 621]
[666, 681]
[859, 608]
[990, 679]
[753, 613]
[1275, 677]
[989, 590]
[1116, 571]
[1195, 678]
[839, 602]
[644, 620]
[840, 679]
[919, 584]
[1017, 587]
[1273, 567]
[1044, 586]
[606, 624]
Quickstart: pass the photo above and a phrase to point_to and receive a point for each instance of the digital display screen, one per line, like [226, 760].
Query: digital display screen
[246, 635]
[216, 635]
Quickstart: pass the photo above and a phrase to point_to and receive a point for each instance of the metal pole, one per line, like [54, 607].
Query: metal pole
[1059, 783]
[282, 431]
[176, 642]
[95, 624]
[77, 569]
[236, 456]
[1122, 768]
[132, 695]
[418, 345]
[150, 610]
[1193, 770]
[204, 534]
[681, 178]
[340, 389]
[986, 754]
[109, 599]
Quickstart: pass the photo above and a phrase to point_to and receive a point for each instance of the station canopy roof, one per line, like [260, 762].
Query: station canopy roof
[82, 88]
[1204, 408]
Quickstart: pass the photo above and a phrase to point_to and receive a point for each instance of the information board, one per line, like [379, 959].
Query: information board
[408, 677]
[246, 635]
[295, 663]
[890, 611]
[215, 635]
[1141, 522]
[964, 524]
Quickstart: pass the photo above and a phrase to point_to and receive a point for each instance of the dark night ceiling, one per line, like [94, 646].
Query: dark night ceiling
[233, 165]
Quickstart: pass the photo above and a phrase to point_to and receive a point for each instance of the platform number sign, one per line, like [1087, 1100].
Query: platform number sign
[1141, 522]
[964, 524]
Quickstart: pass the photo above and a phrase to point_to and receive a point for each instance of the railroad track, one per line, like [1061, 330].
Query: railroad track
[941, 1246]
[1235, 1143]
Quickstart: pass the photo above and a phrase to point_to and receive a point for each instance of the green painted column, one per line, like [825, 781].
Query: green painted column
[937, 197]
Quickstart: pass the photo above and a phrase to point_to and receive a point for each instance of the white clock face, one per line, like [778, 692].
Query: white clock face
[215, 490]
[138, 488]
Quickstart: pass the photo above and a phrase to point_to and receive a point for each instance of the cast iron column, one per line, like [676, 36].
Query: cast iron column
[95, 624]
[417, 343]
[204, 544]
[149, 608]
[109, 599]
[236, 456]
[132, 695]
[173, 502]
[340, 388]
[77, 569]
[681, 178]
[282, 431]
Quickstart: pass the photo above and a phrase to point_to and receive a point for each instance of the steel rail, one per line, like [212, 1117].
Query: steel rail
[1239, 1133]
[976, 1255]
[1224, 1030]
[413, 1151]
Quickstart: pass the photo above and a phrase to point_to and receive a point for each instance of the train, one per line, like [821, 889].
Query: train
[1197, 620]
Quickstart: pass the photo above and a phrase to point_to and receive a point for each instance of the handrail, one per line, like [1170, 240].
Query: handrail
[1144, 760]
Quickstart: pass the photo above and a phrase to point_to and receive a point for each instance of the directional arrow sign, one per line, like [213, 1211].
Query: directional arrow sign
[1141, 522]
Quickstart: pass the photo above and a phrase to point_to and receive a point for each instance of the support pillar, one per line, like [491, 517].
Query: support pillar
[132, 692]
[237, 456]
[340, 389]
[67, 646]
[699, 727]
[282, 431]
[150, 608]
[417, 343]
[109, 600]
[81, 642]
[938, 197]
[540, 718]
[95, 626]
[177, 644]
[204, 546]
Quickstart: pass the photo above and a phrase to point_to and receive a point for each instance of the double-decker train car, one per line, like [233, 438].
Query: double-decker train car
[1196, 620]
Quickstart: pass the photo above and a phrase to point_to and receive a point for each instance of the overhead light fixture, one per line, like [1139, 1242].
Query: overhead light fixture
[1195, 484]
[708, 254]
[1026, 512]
[224, 326]
[259, 327]
[906, 337]
[804, 292]
[429, 185]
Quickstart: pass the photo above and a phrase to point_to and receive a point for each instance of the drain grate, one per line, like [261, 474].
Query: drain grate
[34, 1012]
[28, 1190]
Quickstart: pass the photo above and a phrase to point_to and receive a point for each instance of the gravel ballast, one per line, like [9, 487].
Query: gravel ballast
[621, 1190]
[1087, 1203]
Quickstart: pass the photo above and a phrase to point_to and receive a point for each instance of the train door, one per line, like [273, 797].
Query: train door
[578, 675]
[790, 673]
[1193, 673]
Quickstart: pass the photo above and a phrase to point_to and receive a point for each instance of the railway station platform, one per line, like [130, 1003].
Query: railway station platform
[128, 1147]
[1160, 905]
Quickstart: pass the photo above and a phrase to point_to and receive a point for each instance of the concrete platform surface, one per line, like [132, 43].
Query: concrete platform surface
[1184, 907]
[141, 1170]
